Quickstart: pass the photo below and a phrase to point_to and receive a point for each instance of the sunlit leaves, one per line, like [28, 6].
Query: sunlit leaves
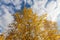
[29, 26]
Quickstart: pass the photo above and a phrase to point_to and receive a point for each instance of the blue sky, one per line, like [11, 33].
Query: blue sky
[9, 7]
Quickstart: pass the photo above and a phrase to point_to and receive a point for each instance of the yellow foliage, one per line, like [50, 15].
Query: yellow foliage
[29, 26]
[1, 37]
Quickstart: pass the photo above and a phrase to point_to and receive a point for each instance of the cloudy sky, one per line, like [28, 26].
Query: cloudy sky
[9, 7]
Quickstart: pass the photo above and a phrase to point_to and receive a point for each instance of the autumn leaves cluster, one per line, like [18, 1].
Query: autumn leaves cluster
[30, 26]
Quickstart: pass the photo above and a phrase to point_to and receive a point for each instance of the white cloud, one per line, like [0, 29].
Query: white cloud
[52, 9]
[6, 1]
[16, 2]
[5, 19]
[38, 7]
